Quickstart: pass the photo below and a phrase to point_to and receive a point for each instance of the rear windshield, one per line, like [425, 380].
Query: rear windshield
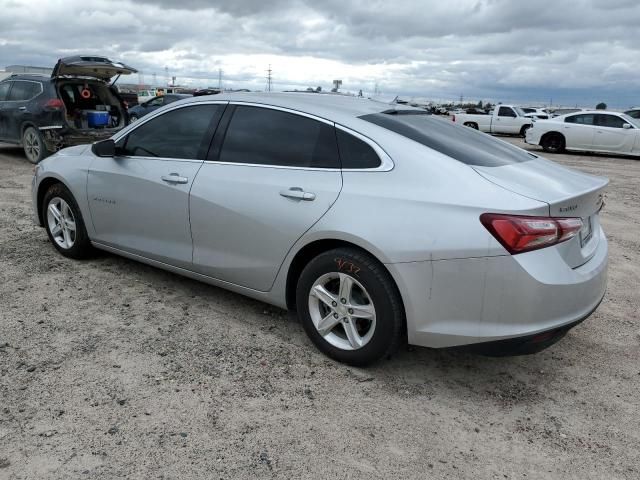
[461, 143]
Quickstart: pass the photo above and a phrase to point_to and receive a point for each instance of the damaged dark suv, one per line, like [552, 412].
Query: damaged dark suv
[78, 104]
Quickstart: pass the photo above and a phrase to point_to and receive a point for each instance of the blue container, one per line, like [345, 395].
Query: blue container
[97, 118]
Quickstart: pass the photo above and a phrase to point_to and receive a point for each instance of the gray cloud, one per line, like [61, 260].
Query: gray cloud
[481, 48]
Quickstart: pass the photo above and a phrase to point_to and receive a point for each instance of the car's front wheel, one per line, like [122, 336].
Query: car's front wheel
[64, 224]
[350, 307]
[33, 144]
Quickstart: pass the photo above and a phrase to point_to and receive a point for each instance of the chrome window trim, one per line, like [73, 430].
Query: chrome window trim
[386, 163]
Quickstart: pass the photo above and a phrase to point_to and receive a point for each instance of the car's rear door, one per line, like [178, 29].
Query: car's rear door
[579, 130]
[270, 176]
[611, 136]
[139, 200]
[17, 109]
[4, 92]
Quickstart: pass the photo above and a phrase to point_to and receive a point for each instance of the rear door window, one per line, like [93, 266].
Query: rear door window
[22, 91]
[586, 119]
[4, 90]
[183, 133]
[264, 136]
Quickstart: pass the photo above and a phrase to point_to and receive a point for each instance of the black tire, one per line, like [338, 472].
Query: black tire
[33, 144]
[81, 247]
[133, 118]
[471, 125]
[553, 143]
[523, 130]
[389, 329]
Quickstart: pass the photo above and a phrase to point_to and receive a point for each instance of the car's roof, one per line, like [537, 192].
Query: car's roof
[337, 108]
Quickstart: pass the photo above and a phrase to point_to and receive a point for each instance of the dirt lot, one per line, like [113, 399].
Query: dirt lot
[112, 369]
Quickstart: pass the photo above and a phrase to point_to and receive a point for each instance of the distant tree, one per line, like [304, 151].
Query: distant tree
[479, 104]
[318, 89]
[601, 106]
[488, 106]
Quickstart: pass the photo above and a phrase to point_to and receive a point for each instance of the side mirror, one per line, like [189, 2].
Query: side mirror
[104, 148]
[626, 126]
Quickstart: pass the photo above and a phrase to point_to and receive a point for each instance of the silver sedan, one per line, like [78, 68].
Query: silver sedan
[379, 224]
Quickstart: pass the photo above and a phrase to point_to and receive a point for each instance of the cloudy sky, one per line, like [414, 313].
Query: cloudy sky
[567, 51]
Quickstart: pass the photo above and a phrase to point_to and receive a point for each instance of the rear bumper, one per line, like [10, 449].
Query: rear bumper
[477, 300]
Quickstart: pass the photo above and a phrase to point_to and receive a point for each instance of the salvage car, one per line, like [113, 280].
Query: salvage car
[588, 131]
[77, 104]
[378, 224]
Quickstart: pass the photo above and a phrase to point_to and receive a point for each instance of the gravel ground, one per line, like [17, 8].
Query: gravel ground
[113, 369]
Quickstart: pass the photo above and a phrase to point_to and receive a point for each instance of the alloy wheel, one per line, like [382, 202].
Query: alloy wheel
[31, 145]
[342, 311]
[61, 222]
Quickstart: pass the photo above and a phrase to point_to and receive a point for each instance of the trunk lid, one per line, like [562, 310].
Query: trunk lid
[568, 193]
[90, 66]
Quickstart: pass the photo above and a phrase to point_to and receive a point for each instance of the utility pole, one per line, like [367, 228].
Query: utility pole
[269, 78]
[461, 98]
[220, 79]
[155, 80]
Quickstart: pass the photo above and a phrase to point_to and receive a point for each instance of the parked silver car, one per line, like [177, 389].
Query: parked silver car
[380, 224]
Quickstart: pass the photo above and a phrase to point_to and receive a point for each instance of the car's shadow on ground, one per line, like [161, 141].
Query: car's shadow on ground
[412, 369]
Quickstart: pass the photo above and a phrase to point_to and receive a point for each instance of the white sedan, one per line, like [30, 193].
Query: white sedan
[587, 131]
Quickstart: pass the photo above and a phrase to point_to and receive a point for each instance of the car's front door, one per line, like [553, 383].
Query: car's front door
[506, 121]
[273, 176]
[139, 200]
[611, 136]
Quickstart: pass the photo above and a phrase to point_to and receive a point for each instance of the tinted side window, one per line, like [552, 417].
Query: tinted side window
[23, 90]
[506, 112]
[270, 137]
[580, 119]
[4, 90]
[632, 113]
[180, 133]
[610, 121]
[354, 153]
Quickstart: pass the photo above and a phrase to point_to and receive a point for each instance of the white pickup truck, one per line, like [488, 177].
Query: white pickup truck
[504, 119]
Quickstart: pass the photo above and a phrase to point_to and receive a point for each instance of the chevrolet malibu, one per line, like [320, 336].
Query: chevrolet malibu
[378, 224]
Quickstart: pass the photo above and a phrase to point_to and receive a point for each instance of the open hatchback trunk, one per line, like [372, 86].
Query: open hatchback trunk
[91, 104]
[100, 68]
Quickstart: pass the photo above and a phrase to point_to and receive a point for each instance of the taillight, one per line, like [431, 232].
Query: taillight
[54, 104]
[519, 233]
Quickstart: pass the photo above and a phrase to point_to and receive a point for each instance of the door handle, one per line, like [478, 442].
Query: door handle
[22, 108]
[174, 178]
[296, 193]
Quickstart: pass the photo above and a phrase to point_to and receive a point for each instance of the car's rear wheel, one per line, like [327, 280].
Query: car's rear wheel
[34, 147]
[553, 143]
[349, 306]
[471, 125]
[64, 224]
[523, 130]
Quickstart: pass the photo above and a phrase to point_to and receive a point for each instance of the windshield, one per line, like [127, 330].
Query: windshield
[520, 112]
